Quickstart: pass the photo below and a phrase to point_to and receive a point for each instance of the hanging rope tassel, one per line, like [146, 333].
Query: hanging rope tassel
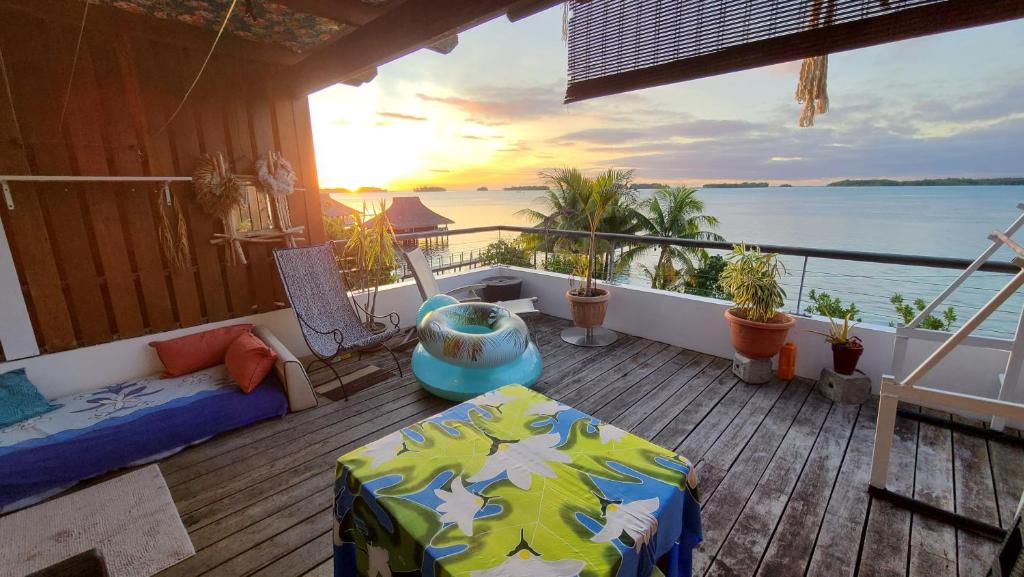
[812, 89]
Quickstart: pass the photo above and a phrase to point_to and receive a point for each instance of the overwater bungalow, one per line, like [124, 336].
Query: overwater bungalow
[332, 208]
[408, 214]
[187, 387]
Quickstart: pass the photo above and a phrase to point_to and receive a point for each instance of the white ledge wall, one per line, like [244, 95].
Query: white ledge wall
[697, 323]
[87, 368]
[686, 321]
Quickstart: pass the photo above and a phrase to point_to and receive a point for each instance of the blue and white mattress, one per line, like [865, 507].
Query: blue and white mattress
[125, 424]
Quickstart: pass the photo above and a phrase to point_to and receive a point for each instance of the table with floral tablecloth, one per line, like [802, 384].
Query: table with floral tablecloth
[513, 484]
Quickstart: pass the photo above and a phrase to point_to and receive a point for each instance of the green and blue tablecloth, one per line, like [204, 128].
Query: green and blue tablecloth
[513, 484]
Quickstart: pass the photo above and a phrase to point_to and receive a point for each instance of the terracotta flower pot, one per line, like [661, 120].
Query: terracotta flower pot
[588, 312]
[845, 357]
[756, 340]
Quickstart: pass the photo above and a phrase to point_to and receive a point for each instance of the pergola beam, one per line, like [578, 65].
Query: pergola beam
[413, 25]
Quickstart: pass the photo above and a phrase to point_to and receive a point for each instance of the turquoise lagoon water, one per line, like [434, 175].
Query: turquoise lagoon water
[935, 221]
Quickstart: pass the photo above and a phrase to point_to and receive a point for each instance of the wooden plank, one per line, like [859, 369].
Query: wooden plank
[39, 95]
[159, 97]
[798, 528]
[325, 569]
[116, 77]
[222, 482]
[835, 551]
[288, 145]
[713, 413]
[1008, 478]
[887, 534]
[975, 498]
[932, 542]
[85, 133]
[678, 427]
[244, 493]
[741, 551]
[623, 398]
[677, 391]
[262, 271]
[26, 228]
[277, 546]
[239, 156]
[605, 371]
[303, 559]
[307, 171]
[211, 555]
[723, 504]
[588, 401]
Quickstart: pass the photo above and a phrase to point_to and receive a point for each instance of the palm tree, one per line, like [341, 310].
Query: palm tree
[568, 205]
[674, 213]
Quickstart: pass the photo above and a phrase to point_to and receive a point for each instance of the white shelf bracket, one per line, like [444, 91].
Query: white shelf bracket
[7, 194]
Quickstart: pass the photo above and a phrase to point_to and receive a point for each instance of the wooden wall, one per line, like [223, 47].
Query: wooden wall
[87, 254]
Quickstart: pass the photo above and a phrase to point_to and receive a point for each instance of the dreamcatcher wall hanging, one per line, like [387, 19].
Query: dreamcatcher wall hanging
[238, 201]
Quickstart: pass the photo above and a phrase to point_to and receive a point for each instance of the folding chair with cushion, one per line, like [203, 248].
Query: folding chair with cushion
[326, 314]
[425, 281]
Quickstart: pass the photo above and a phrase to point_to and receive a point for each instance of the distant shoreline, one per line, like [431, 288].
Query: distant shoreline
[931, 182]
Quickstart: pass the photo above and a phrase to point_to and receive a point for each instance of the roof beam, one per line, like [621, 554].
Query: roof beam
[527, 8]
[410, 26]
[352, 12]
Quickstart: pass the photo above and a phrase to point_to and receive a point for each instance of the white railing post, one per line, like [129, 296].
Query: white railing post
[885, 428]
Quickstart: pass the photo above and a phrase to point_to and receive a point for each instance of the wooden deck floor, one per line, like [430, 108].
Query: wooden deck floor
[783, 471]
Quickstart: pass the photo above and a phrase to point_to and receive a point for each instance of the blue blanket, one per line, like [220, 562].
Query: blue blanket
[116, 426]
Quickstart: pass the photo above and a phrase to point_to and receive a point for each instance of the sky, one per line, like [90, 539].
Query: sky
[491, 114]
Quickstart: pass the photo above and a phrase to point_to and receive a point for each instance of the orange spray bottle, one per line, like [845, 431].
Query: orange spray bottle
[787, 362]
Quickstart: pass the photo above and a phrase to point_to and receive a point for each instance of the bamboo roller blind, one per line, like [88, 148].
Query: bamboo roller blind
[621, 45]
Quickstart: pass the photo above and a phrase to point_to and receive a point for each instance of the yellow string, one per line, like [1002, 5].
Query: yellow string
[202, 68]
[74, 66]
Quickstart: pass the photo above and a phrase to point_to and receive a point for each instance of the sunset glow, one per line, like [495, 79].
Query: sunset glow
[491, 114]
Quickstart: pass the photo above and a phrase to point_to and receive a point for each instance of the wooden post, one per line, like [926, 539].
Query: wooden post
[885, 427]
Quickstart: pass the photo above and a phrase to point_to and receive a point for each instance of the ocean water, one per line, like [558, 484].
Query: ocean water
[949, 221]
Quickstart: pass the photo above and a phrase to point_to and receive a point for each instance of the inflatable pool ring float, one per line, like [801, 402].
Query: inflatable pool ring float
[467, 349]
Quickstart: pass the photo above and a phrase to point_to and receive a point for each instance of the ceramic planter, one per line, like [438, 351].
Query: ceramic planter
[588, 312]
[846, 355]
[756, 340]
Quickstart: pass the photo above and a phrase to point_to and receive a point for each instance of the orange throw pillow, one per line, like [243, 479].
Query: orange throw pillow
[198, 351]
[249, 359]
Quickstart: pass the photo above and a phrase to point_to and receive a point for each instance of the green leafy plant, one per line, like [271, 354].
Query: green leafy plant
[369, 259]
[839, 333]
[752, 278]
[561, 262]
[931, 322]
[706, 279]
[824, 304]
[507, 252]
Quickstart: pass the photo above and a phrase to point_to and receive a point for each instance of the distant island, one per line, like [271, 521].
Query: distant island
[482, 188]
[737, 185]
[930, 182]
[785, 186]
[371, 189]
[528, 187]
[646, 186]
[429, 189]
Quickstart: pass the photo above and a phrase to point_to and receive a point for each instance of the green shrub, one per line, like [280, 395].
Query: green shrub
[511, 253]
[931, 322]
[564, 263]
[827, 305]
[706, 280]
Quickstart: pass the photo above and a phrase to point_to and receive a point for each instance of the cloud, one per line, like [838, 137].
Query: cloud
[497, 105]
[690, 129]
[808, 154]
[400, 116]
[439, 170]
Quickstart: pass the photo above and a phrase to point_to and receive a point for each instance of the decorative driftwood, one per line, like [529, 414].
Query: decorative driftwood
[274, 181]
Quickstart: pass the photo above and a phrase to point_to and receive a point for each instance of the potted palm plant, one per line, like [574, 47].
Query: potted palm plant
[846, 349]
[370, 262]
[757, 327]
[590, 198]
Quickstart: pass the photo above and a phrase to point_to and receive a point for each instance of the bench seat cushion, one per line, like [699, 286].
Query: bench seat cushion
[125, 424]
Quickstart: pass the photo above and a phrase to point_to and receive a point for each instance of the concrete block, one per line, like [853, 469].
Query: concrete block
[753, 371]
[845, 389]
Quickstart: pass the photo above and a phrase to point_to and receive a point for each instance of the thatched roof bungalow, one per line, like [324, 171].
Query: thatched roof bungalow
[409, 214]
